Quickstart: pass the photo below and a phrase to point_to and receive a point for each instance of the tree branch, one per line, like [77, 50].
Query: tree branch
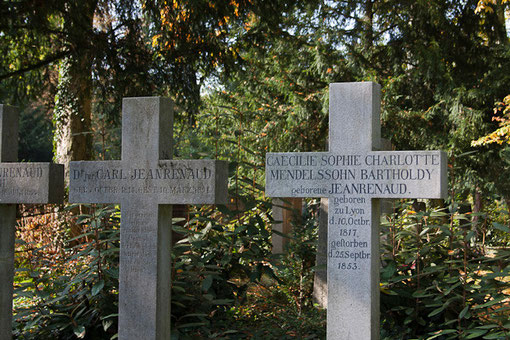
[37, 65]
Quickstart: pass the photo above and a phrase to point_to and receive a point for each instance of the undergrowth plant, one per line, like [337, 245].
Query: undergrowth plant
[73, 295]
[438, 281]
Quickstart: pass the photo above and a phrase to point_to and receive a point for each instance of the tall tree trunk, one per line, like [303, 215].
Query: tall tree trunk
[72, 113]
[503, 14]
[477, 208]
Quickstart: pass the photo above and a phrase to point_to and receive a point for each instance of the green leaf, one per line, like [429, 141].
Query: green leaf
[501, 227]
[487, 326]
[116, 315]
[463, 312]
[445, 230]
[421, 294]
[200, 315]
[475, 333]
[179, 289]
[222, 302]
[498, 335]
[107, 324]
[206, 284]
[436, 311]
[192, 324]
[97, 288]
[79, 331]
[490, 303]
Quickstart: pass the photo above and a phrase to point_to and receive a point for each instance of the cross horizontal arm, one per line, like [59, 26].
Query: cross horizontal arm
[382, 174]
[31, 183]
[163, 182]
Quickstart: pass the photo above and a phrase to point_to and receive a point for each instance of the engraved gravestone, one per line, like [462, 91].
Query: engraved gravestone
[354, 178]
[19, 183]
[146, 183]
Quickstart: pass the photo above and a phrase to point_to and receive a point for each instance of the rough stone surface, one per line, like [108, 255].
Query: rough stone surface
[320, 279]
[19, 183]
[277, 241]
[284, 211]
[163, 182]
[31, 183]
[354, 178]
[146, 183]
[7, 227]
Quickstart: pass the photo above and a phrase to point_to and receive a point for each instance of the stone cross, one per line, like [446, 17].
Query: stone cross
[19, 183]
[283, 215]
[146, 183]
[353, 176]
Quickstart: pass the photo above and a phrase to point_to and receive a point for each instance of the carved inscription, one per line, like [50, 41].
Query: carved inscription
[349, 244]
[137, 174]
[17, 171]
[351, 181]
[381, 175]
[138, 233]
[21, 182]
[13, 177]
[168, 182]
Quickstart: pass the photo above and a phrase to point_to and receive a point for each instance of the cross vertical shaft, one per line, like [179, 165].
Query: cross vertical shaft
[354, 123]
[19, 183]
[353, 291]
[145, 259]
[8, 153]
[147, 129]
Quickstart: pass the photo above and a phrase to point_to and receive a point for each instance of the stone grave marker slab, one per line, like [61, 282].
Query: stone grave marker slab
[354, 178]
[19, 183]
[283, 214]
[146, 183]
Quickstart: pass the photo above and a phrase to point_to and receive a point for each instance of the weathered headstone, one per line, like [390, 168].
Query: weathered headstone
[354, 177]
[146, 183]
[283, 214]
[19, 183]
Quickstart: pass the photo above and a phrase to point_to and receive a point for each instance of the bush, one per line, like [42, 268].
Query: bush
[438, 281]
[72, 294]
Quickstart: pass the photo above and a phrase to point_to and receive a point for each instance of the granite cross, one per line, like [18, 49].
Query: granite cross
[146, 183]
[19, 183]
[354, 177]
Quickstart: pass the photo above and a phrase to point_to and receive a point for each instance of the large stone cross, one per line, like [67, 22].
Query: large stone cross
[354, 176]
[146, 183]
[19, 183]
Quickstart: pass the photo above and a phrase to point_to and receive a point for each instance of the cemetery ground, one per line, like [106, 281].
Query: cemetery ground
[436, 282]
